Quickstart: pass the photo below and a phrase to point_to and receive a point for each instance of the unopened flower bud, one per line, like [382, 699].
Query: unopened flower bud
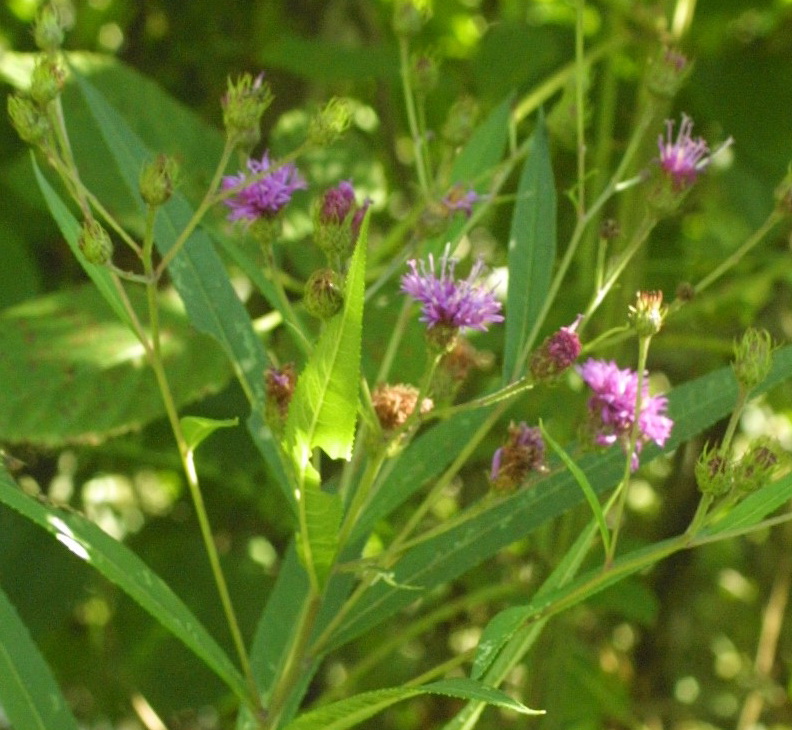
[523, 453]
[685, 292]
[461, 121]
[714, 472]
[48, 29]
[667, 72]
[753, 357]
[556, 353]
[337, 218]
[323, 296]
[244, 104]
[757, 465]
[95, 243]
[330, 123]
[648, 313]
[425, 72]
[409, 16]
[280, 384]
[46, 81]
[157, 180]
[29, 121]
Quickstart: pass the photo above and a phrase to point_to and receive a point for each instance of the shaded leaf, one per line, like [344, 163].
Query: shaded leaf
[196, 428]
[122, 567]
[73, 373]
[29, 694]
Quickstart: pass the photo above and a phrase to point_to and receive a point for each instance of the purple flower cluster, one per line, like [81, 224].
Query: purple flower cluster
[684, 158]
[612, 407]
[265, 197]
[447, 302]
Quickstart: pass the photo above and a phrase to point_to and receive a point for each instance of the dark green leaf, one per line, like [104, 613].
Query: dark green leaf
[29, 694]
[532, 250]
[121, 566]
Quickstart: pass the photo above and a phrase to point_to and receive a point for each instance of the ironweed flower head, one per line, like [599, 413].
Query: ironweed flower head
[612, 407]
[448, 303]
[460, 199]
[683, 158]
[556, 353]
[523, 453]
[337, 219]
[263, 198]
[394, 404]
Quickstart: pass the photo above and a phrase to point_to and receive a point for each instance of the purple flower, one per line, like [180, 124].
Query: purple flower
[556, 353]
[449, 303]
[337, 202]
[612, 407]
[523, 452]
[460, 199]
[265, 197]
[684, 158]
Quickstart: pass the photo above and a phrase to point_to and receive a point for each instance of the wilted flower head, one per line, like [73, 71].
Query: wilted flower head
[279, 385]
[265, 197]
[523, 452]
[394, 404]
[449, 303]
[684, 158]
[612, 407]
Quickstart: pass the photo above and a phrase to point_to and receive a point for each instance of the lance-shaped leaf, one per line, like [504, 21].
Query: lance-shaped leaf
[353, 710]
[120, 565]
[29, 694]
[532, 249]
[322, 414]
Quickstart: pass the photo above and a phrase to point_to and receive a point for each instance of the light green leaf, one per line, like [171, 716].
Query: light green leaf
[322, 414]
[70, 228]
[755, 507]
[122, 567]
[70, 349]
[532, 250]
[354, 710]
[196, 429]
[29, 694]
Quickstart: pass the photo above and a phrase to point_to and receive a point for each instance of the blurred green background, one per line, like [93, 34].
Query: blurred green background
[674, 649]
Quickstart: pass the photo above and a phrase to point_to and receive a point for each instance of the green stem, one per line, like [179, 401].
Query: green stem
[412, 118]
[624, 486]
[580, 109]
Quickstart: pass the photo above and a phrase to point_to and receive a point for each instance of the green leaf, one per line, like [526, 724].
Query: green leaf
[351, 711]
[29, 694]
[755, 507]
[532, 250]
[196, 429]
[583, 483]
[71, 228]
[323, 413]
[122, 567]
[70, 349]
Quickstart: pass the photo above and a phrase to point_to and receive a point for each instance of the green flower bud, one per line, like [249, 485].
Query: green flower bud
[46, 82]
[758, 464]
[266, 230]
[323, 297]
[461, 121]
[425, 72]
[714, 472]
[95, 243]
[409, 16]
[48, 29]
[29, 121]
[753, 358]
[330, 123]
[648, 313]
[157, 179]
[667, 72]
[244, 104]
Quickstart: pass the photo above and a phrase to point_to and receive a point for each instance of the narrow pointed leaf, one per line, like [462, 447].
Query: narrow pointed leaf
[29, 694]
[197, 429]
[122, 567]
[70, 228]
[354, 710]
[532, 250]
